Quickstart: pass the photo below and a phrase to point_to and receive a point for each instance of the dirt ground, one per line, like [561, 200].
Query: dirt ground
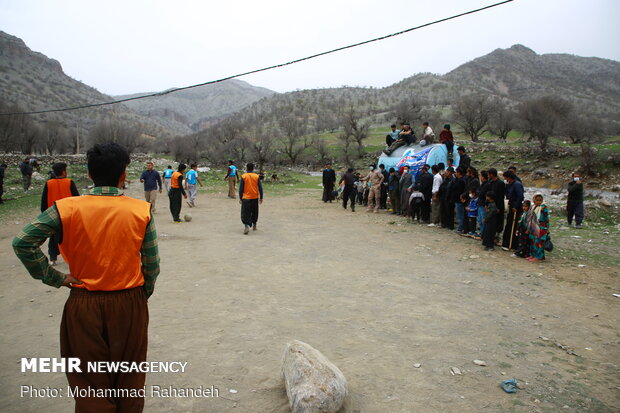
[374, 294]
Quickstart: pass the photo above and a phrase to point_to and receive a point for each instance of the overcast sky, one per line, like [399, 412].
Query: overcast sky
[130, 46]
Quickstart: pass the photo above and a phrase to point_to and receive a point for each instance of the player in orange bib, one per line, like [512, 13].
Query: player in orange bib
[250, 195]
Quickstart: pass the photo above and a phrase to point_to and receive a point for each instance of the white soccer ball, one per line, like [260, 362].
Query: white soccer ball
[187, 217]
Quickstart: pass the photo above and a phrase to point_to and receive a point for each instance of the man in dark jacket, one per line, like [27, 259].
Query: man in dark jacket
[329, 180]
[499, 189]
[26, 170]
[349, 193]
[459, 187]
[574, 204]
[394, 191]
[464, 161]
[406, 180]
[515, 200]
[426, 187]
[384, 187]
[446, 195]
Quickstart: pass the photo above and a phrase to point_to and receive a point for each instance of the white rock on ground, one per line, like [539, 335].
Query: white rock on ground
[313, 383]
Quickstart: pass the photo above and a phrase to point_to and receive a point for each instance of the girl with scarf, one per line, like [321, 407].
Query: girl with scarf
[538, 228]
[523, 246]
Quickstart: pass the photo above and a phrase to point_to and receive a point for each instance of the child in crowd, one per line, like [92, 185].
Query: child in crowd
[488, 236]
[472, 213]
[523, 247]
[415, 204]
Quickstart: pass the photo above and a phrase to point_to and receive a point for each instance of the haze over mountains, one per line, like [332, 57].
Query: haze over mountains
[34, 82]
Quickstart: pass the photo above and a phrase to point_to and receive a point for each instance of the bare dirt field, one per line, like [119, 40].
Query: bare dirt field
[374, 294]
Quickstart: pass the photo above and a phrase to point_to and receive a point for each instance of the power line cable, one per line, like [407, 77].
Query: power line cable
[166, 92]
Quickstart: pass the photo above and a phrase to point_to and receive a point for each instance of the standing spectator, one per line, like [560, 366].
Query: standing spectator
[523, 246]
[26, 169]
[428, 136]
[250, 196]
[384, 186]
[515, 199]
[232, 176]
[538, 228]
[436, 205]
[472, 179]
[167, 177]
[446, 195]
[55, 189]
[191, 179]
[490, 215]
[513, 169]
[349, 193]
[426, 187]
[459, 188]
[2, 169]
[405, 181]
[359, 188]
[472, 213]
[415, 204]
[176, 191]
[446, 138]
[464, 160]
[499, 190]
[374, 179]
[152, 184]
[485, 186]
[574, 203]
[329, 180]
[394, 191]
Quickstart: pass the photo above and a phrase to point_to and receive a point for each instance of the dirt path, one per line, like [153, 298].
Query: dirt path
[374, 295]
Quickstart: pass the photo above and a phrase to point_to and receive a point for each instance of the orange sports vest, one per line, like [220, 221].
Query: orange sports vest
[174, 181]
[250, 185]
[58, 188]
[101, 240]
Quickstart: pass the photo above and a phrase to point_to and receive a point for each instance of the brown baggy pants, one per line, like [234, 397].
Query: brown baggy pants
[231, 187]
[105, 326]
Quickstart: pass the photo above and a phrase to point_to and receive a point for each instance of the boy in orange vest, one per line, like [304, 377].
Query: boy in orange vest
[250, 189]
[110, 243]
[54, 189]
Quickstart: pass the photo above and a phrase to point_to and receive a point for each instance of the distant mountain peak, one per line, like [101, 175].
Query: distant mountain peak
[519, 48]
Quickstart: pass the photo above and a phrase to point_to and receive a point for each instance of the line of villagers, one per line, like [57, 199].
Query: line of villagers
[461, 199]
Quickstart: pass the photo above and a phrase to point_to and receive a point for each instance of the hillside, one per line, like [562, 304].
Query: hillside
[197, 108]
[33, 81]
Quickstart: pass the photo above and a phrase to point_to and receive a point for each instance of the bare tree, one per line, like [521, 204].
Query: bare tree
[356, 129]
[542, 117]
[54, 135]
[262, 147]
[294, 141]
[407, 110]
[346, 140]
[472, 113]
[118, 132]
[502, 121]
[322, 150]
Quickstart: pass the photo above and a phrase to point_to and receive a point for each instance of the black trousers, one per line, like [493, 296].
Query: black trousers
[509, 232]
[426, 209]
[488, 236]
[349, 194]
[249, 211]
[499, 222]
[328, 193]
[415, 209]
[384, 191]
[447, 214]
[573, 208]
[175, 203]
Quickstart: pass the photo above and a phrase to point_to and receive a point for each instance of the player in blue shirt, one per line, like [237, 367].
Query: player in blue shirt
[232, 176]
[167, 177]
[191, 178]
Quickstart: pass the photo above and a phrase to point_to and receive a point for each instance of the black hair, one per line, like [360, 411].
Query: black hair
[392, 170]
[473, 171]
[192, 165]
[393, 126]
[435, 168]
[182, 167]
[491, 195]
[350, 170]
[484, 174]
[441, 166]
[509, 175]
[425, 123]
[461, 148]
[230, 161]
[382, 166]
[169, 166]
[492, 171]
[250, 167]
[3, 165]
[460, 170]
[451, 160]
[106, 163]
[513, 168]
[59, 168]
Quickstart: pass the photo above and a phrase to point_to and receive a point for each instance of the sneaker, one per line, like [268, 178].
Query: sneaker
[53, 262]
[505, 248]
[578, 226]
[177, 221]
[246, 230]
[489, 249]
[431, 225]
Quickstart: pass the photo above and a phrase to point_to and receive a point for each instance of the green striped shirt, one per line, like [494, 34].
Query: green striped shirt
[28, 242]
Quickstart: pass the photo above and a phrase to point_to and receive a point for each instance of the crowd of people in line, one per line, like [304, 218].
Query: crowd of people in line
[485, 205]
